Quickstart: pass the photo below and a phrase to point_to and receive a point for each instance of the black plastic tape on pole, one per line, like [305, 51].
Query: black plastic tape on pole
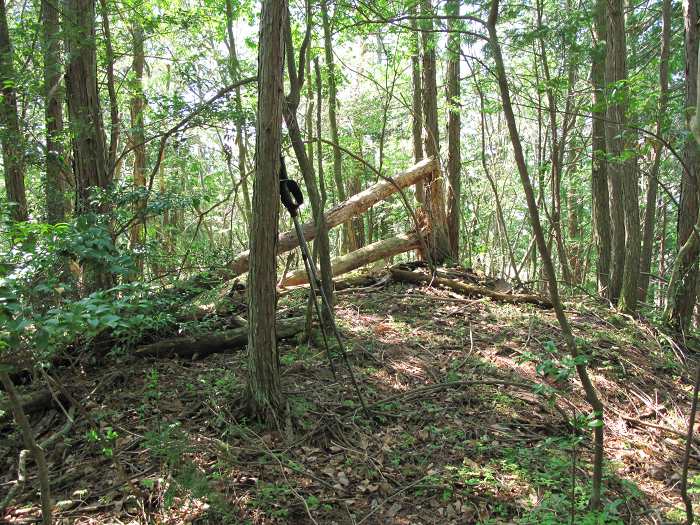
[290, 192]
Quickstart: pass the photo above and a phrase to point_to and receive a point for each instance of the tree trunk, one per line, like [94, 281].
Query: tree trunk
[615, 74]
[454, 162]
[417, 106]
[653, 183]
[264, 391]
[289, 109]
[210, 343]
[362, 256]
[235, 73]
[348, 243]
[53, 113]
[599, 177]
[138, 141]
[113, 166]
[87, 131]
[548, 266]
[469, 289]
[500, 220]
[439, 242]
[11, 137]
[681, 296]
[556, 154]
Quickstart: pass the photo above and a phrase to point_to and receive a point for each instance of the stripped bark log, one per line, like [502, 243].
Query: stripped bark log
[362, 256]
[204, 345]
[469, 289]
[344, 211]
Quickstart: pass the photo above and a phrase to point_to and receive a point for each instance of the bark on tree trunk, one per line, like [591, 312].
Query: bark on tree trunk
[87, 132]
[344, 211]
[11, 136]
[454, 161]
[138, 140]
[53, 113]
[83, 102]
[599, 177]
[681, 296]
[264, 391]
[439, 243]
[615, 73]
[653, 183]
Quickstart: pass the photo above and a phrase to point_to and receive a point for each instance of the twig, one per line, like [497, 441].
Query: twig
[389, 498]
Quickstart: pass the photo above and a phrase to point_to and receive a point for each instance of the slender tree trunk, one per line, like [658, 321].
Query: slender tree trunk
[289, 109]
[11, 136]
[599, 177]
[348, 242]
[653, 183]
[439, 244]
[235, 73]
[53, 113]
[681, 294]
[113, 166]
[589, 388]
[265, 393]
[662, 250]
[454, 161]
[417, 106]
[138, 140]
[319, 114]
[556, 151]
[500, 220]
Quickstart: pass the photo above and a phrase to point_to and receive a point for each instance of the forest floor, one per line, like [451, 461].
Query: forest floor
[478, 418]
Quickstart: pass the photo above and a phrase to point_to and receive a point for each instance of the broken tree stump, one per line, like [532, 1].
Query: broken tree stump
[362, 256]
[469, 289]
[203, 345]
[344, 211]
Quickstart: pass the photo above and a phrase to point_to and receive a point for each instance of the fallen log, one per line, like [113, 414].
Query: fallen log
[344, 211]
[203, 345]
[469, 289]
[38, 402]
[362, 256]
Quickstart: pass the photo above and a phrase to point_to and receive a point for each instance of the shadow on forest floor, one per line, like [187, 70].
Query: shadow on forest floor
[480, 420]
